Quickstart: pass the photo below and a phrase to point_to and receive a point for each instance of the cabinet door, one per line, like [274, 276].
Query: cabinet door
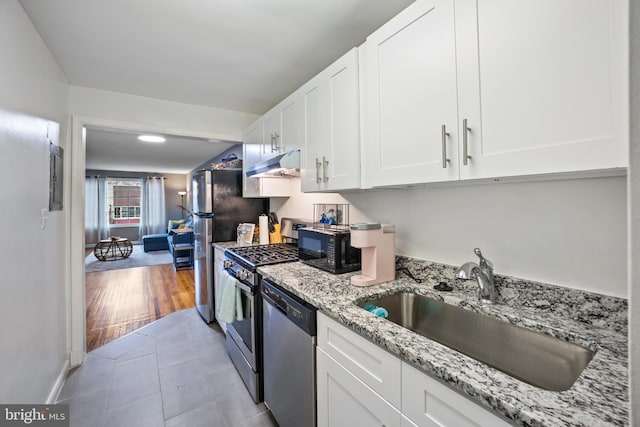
[291, 124]
[429, 403]
[251, 154]
[331, 111]
[271, 132]
[254, 135]
[374, 366]
[543, 85]
[314, 135]
[218, 272]
[343, 400]
[411, 94]
[341, 170]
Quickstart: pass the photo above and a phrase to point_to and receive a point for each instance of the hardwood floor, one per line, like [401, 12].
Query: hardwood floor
[121, 301]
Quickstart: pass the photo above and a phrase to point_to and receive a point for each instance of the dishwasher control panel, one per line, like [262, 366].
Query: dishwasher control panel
[298, 311]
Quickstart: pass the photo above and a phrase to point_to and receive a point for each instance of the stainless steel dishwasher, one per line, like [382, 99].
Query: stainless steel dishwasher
[289, 358]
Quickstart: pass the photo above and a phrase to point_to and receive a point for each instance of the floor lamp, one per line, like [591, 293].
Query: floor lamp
[182, 194]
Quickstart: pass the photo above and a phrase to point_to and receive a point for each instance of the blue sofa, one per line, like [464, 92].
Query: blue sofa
[165, 241]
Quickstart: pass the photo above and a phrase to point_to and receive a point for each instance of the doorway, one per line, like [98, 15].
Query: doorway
[171, 290]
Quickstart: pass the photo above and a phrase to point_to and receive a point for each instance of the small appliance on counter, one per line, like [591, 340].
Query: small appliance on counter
[378, 245]
[327, 244]
[327, 249]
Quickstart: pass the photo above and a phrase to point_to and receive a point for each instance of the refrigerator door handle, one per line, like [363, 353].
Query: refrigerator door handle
[204, 214]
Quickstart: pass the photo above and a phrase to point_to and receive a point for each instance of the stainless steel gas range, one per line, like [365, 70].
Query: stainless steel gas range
[244, 335]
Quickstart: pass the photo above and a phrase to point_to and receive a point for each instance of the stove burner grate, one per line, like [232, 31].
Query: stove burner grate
[266, 254]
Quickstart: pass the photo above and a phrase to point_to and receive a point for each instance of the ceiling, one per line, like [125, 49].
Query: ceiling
[241, 55]
[122, 151]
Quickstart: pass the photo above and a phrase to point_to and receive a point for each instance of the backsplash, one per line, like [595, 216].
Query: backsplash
[582, 306]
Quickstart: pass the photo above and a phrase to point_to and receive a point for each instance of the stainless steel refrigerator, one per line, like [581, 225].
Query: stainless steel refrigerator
[218, 208]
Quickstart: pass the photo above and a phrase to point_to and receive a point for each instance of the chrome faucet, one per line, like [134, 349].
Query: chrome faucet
[483, 273]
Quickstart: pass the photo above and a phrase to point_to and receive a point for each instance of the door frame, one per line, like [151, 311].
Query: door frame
[77, 333]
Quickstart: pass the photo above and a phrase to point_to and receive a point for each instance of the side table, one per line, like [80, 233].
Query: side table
[183, 256]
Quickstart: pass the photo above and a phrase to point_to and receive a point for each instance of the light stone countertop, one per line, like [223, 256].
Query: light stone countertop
[598, 398]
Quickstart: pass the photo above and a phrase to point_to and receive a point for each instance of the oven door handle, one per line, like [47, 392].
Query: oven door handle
[243, 287]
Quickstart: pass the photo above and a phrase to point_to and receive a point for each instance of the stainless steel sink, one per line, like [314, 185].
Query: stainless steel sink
[533, 357]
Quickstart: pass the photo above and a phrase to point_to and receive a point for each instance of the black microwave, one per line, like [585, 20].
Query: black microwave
[328, 250]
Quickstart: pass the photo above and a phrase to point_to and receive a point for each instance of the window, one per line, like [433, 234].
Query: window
[123, 201]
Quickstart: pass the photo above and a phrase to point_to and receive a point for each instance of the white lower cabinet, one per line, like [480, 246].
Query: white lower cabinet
[218, 272]
[429, 403]
[361, 384]
[344, 400]
[377, 368]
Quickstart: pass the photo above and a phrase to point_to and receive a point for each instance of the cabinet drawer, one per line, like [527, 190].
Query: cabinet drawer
[376, 367]
[344, 400]
[429, 403]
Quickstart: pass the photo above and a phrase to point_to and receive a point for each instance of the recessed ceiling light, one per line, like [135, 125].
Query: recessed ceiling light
[151, 138]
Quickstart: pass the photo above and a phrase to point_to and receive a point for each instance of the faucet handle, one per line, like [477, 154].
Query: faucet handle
[484, 263]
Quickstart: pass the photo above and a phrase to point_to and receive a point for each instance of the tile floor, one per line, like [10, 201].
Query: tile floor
[173, 372]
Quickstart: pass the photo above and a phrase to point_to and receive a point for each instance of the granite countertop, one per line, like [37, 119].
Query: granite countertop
[598, 398]
[227, 245]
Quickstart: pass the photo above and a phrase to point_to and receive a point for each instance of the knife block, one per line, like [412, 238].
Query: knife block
[275, 237]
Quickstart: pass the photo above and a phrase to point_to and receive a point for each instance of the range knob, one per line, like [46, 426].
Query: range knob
[228, 263]
[242, 275]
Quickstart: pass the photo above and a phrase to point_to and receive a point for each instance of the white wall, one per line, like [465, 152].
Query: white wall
[171, 117]
[571, 233]
[33, 321]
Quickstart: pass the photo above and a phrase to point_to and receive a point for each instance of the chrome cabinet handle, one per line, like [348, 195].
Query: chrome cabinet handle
[465, 143]
[318, 164]
[444, 146]
[325, 162]
[275, 142]
[273, 137]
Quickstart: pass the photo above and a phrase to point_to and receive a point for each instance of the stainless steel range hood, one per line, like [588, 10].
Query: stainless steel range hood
[287, 164]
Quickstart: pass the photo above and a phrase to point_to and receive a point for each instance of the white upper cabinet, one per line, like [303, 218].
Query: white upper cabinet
[278, 131]
[411, 94]
[261, 186]
[254, 135]
[272, 132]
[331, 117]
[541, 85]
[314, 121]
[251, 154]
[282, 128]
[291, 124]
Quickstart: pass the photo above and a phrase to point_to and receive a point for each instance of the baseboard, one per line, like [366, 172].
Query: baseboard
[76, 358]
[57, 386]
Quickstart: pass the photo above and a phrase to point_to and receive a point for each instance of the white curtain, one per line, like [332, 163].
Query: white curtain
[95, 210]
[153, 218]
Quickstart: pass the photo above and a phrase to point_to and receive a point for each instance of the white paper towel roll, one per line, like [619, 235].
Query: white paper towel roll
[264, 229]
